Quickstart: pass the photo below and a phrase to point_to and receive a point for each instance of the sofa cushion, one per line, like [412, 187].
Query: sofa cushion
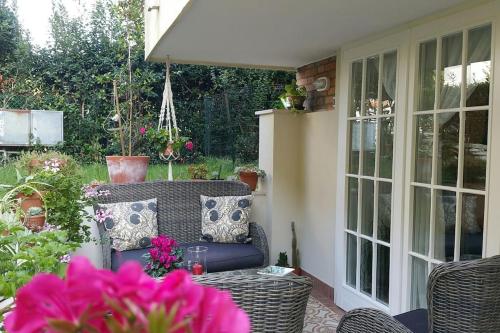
[228, 257]
[130, 225]
[225, 219]
[118, 258]
[415, 320]
[220, 257]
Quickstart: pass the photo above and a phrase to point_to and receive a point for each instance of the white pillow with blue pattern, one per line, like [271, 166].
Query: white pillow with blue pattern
[226, 219]
[131, 225]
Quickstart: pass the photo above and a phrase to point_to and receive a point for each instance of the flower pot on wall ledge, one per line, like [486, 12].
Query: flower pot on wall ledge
[127, 169]
[250, 178]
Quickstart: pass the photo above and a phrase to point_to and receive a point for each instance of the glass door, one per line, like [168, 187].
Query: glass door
[369, 181]
[450, 124]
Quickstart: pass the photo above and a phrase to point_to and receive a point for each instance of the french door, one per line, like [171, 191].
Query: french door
[372, 193]
[421, 146]
[449, 143]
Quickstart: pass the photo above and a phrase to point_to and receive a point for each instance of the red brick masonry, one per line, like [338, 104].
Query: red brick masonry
[323, 100]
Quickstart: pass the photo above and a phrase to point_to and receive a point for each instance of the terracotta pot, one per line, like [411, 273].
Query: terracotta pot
[127, 169]
[35, 223]
[28, 201]
[249, 178]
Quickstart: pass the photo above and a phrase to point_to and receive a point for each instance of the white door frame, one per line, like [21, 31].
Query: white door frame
[469, 18]
[345, 296]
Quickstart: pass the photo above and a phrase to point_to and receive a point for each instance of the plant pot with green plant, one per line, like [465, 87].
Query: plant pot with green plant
[198, 172]
[293, 97]
[250, 175]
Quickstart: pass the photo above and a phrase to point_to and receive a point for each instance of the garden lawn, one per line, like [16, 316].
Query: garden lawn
[99, 172]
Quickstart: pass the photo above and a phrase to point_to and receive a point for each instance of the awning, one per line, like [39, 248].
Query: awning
[269, 33]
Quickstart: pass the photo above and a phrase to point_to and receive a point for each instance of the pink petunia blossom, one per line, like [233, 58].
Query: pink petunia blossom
[142, 130]
[88, 296]
[189, 145]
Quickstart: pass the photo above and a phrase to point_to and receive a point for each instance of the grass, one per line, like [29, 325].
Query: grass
[99, 171]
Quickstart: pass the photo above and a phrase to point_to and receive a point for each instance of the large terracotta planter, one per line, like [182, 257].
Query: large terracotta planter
[127, 169]
[250, 178]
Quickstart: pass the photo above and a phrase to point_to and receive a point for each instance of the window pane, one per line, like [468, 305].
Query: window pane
[369, 146]
[418, 299]
[351, 261]
[447, 159]
[471, 243]
[421, 220]
[383, 265]
[371, 89]
[367, 207]
[352, 214]
[384, 211]
[386, 147]
[475, 149]
[366, 266]
[389, 83]
[427, 75]
[451, 71]
[354, 146]
[356, 88]
[444, 225]
[479, 66]
[423, 149]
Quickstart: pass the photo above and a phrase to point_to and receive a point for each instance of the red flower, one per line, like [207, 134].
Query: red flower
[142, 130]
[88, 296]
[189, 145]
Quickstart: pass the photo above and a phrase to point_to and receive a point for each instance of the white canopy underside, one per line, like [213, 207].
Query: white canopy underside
[272, 33]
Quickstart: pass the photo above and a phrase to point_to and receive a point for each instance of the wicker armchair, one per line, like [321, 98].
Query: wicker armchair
[179, 210]
[274, 304]
[461, 297]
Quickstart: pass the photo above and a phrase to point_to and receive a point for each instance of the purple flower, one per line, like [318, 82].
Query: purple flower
[102, 214]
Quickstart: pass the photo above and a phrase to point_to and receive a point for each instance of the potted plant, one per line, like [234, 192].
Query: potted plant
[199, 172]
[282, 260]
[250, 175]
[34, 218]
[293, 97]
[165, 144]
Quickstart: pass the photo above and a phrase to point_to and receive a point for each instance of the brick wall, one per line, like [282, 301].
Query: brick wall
[322, 100]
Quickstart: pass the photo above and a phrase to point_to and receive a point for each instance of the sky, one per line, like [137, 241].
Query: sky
[34, 15]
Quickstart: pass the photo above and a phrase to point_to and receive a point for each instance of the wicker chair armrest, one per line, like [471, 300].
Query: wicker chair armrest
[259, 239]
[370, 321]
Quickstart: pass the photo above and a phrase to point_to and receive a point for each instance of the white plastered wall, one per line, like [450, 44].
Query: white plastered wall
[298, 154]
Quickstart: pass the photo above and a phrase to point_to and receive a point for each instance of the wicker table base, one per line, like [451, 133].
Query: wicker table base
[274, 304]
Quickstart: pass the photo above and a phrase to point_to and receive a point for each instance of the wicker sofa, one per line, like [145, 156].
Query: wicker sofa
[461, 297]
[179, 216]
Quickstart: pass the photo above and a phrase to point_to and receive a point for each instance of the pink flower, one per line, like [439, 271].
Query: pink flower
[142, 130]
[189, 145]
[88, 296]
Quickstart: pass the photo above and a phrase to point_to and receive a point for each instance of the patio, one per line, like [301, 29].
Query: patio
[382, 190]
[388, 173]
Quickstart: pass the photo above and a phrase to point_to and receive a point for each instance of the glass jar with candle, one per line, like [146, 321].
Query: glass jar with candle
[197, 259]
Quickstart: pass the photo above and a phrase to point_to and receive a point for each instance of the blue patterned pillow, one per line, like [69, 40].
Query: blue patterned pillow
[131, 225]
[225, 219]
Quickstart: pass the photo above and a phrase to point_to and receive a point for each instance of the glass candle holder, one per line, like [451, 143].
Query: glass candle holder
[197, 260]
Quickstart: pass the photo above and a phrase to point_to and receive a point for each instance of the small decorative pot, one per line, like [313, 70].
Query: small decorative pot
[294, 102]
[127, 169]
[35, 223]
[250, 178]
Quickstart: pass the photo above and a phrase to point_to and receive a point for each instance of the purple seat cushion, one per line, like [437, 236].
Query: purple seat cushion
[220, 257]
[415, 320]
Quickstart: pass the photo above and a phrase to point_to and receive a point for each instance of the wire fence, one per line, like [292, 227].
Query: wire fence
[231, 128]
